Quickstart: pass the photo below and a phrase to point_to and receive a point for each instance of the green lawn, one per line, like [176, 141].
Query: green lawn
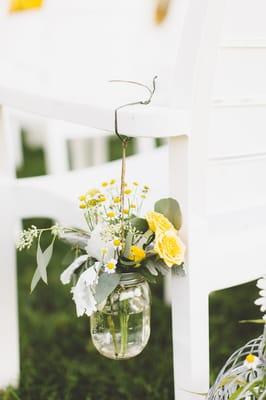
[58, 361]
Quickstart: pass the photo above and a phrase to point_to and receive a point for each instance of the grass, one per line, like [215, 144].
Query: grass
[58, 360]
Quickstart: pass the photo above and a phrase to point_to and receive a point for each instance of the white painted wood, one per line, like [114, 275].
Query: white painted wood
[7, 150]
[223, 198]
[188, 160]
[9, 333]
[136, 120]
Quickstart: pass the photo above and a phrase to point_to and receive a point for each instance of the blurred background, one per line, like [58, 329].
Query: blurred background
[58, 360]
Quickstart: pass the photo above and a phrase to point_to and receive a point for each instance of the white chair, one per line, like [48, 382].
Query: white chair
[40, 132]
[216, 169]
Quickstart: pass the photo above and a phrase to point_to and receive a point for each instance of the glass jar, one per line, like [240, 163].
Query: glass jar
[121, 329]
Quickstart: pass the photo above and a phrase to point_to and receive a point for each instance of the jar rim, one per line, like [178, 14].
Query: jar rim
[131, 277]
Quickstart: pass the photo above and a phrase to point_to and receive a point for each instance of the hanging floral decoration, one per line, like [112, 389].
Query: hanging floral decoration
[114, 258]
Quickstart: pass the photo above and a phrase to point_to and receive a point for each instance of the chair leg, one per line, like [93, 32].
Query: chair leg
[55, 150]
[190, 316]
[9, 331]
[99, 150]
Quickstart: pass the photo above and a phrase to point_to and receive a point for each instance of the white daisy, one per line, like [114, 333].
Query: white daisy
[110, 266]
[251, 362]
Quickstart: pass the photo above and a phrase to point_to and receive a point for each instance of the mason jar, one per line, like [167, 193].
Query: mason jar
[121, 329]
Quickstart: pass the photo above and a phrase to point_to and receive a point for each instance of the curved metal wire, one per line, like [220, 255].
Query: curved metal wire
[151, 91]
[234, 373]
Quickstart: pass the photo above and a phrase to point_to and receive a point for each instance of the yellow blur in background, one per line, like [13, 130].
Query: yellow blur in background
[21, 5]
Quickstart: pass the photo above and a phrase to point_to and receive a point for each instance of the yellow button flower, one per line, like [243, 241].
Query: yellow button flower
[110, 214]
[137, 254]
[169, 247]
[158, 222]
[133, 206]
[112, 181]
[117, 200]
[82, 205]
[135, 183]
[128, 191]
[93, 192]
[82, 197]
[126, 211]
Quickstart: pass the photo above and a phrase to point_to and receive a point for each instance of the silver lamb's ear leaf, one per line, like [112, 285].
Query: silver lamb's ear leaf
[105, 286]
[151, 266]
[35, 280]
[43, 259]
[171, 210]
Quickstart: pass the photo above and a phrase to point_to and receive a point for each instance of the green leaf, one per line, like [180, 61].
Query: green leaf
[150, 264]
[106, 285]
[140, 224]
[35, 280]
[128, 244]
[171, 210]
[147, 275]
[43, 259]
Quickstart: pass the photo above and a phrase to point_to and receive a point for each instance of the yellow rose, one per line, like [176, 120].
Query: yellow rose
[137, 254]
[170, 248]
[158, 222]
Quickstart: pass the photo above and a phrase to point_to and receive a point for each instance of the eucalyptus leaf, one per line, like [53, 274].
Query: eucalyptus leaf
[171, 210]
[35, 280]
[106, 285]
[43, 259]
[140, 224]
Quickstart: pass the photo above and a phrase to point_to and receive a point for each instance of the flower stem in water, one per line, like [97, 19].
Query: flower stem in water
[124, 317]
[112, 330]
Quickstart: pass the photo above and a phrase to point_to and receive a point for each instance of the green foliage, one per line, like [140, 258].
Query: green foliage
[171, 210]
[106, 284]
[140, 224]
[43, 259]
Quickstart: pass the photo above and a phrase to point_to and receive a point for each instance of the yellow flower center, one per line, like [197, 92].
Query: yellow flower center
[82, 197]
[250, 358]
[133, 206]
[117, 200]
[112, 181]
[110, 265]
[117, 242]
[110, 214]
[128, 191]
[125, 211]
[82, 205]
[104, 184]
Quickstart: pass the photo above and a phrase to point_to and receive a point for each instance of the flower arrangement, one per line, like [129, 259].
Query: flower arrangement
[116, 256]
[118, 241]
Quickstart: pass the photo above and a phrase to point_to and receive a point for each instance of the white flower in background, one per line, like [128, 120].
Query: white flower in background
[261, 301]
[66, 275]
[83, 292]
[251, 362]
[110, 266]
[96, 244]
